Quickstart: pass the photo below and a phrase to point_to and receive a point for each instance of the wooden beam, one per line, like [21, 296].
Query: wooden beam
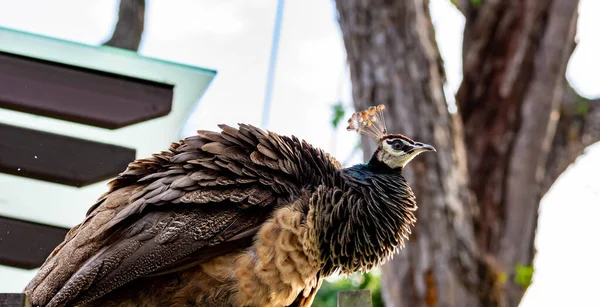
[60, 159]
[14, 300]
[79, 95]
[25, 244]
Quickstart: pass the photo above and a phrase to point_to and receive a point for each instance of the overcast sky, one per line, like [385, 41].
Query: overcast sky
[234, 38]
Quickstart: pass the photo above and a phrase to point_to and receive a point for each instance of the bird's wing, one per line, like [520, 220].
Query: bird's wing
[213, 189]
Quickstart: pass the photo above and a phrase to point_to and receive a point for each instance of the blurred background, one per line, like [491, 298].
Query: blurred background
[300, 47]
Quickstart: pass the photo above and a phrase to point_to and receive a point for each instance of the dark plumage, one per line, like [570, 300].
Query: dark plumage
[239, 217]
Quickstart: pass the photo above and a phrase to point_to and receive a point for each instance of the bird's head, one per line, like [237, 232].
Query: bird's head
[394, 150]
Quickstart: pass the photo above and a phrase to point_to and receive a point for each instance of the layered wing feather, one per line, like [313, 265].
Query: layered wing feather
[210, 190]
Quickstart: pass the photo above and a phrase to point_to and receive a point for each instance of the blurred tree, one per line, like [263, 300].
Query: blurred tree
[130, 25]
[516, 130]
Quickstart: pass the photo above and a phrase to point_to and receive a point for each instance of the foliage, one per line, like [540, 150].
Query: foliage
[502, 278]
[582, 106]
[523, 275]
[338, 113]
[476, 3]
[327, 295]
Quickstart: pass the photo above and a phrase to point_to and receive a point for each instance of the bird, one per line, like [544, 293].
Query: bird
[236, 217]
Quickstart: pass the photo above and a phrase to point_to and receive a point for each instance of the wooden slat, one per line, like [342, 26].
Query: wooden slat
[60, 159]
[25, 244]
[354, 298]
[79, 95]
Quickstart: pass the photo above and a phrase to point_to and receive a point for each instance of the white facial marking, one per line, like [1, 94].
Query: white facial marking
[398, 158]
[395, 152]
[388, 148]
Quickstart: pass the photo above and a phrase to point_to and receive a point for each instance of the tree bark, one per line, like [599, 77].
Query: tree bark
[394, 60]
[577, 128]
[130, 25]
[515, 57]
[515, 132]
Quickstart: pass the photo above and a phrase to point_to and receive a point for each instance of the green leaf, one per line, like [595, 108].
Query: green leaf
[523, 275]
[582, 107]
[338, 114]
[476, 3]
[502, 277]
[455, 3]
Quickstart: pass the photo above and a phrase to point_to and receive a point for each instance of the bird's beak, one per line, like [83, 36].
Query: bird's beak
[424, 147]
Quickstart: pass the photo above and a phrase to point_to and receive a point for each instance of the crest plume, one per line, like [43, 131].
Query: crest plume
[369, 122]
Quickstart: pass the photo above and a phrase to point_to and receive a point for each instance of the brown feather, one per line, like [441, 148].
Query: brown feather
[240, 217]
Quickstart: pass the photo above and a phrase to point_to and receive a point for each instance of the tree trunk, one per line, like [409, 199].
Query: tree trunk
[513, 135]
[515, 57]
[394, 60]
[130, 25]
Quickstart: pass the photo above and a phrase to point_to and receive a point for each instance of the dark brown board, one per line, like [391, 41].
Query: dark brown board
[60, 159]
[79, 95]
[14, 300]
[26, 244]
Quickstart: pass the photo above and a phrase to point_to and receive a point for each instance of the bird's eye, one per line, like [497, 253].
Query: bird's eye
[397, 145]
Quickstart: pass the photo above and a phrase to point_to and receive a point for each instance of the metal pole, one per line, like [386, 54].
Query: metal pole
[272, 63]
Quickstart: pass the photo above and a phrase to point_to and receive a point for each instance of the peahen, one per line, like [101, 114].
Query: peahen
[239, 217]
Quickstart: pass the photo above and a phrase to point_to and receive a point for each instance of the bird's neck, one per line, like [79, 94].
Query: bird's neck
[369, 219]
[375, 163]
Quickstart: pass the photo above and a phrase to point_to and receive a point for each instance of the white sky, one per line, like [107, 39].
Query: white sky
[234, 38]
